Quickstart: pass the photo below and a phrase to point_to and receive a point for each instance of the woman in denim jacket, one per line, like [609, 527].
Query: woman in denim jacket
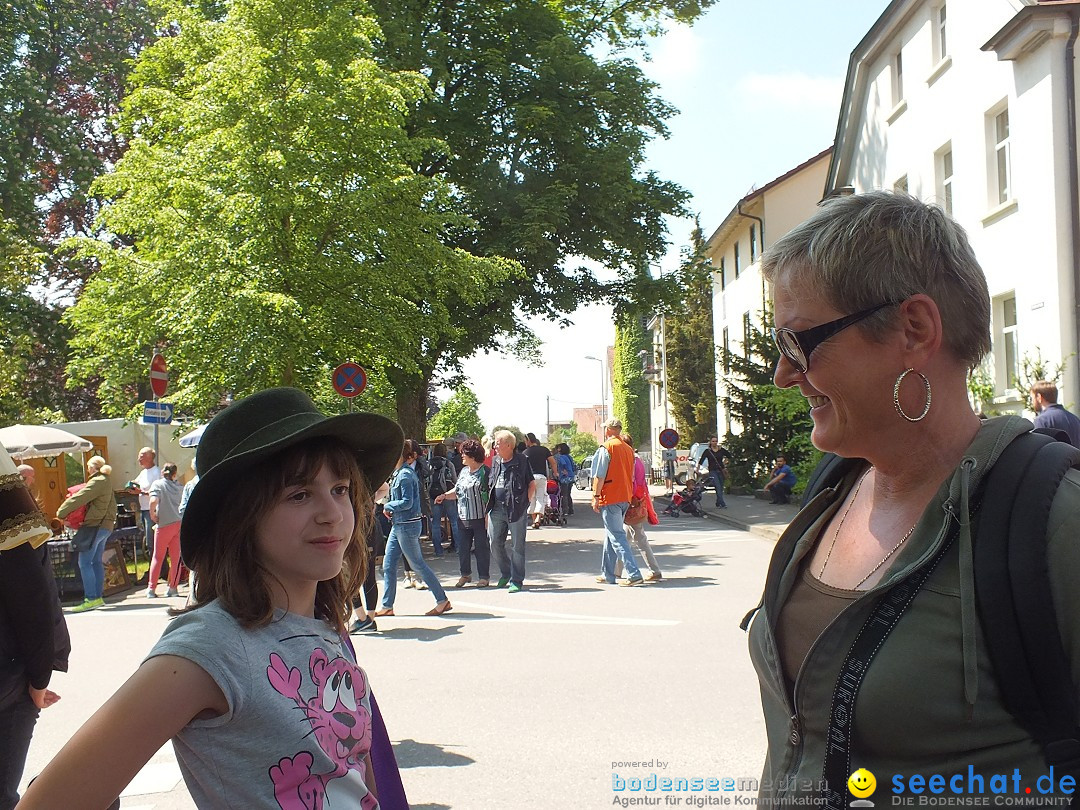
[403, 509]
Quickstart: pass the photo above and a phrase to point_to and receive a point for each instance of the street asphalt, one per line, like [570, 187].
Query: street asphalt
[541, 699]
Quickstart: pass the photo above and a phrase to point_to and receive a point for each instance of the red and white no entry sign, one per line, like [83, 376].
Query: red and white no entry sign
[159, 375]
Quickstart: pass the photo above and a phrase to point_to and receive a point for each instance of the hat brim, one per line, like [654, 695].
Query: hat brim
[376, 441]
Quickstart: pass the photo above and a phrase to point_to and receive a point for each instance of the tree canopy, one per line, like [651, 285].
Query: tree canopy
[459, 414]
[275, 224]
[543, 140]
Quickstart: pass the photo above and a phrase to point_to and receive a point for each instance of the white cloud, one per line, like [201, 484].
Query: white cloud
[791, 90]
[676, 55]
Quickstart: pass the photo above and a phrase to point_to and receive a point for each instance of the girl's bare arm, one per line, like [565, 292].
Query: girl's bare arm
[155, 703]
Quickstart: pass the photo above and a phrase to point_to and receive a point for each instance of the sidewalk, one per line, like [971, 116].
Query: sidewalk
[744, 512]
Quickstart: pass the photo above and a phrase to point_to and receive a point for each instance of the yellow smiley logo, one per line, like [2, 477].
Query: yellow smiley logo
[862, 783]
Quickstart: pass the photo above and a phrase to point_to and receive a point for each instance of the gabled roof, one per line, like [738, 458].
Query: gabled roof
[879, 36]
[736, 213]
[1029, 28]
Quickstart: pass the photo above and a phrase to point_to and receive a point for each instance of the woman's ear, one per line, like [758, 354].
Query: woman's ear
[920, 320]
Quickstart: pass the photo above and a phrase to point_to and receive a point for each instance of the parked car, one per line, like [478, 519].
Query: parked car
[582, 478]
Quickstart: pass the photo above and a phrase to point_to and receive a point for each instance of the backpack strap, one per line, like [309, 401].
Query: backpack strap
[1012, 589]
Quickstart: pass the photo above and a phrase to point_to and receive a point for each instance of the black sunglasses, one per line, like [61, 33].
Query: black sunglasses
[798, 346]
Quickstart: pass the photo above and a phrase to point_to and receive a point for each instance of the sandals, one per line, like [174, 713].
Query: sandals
[383, 612]
[461, 583]
[440, 609]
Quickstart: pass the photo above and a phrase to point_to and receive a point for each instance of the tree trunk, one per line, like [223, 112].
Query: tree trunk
[411, 396]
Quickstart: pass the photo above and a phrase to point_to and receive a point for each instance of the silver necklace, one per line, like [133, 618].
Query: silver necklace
[840, 526]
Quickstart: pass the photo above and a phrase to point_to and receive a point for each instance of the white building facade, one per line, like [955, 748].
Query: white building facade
[740, 294]
[966, 103]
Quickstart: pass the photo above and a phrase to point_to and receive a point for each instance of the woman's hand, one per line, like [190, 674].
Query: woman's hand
[440, 498]
[43, 698]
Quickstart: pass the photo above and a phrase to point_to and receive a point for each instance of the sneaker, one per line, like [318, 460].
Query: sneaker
[514, 588]
[172, 592]
[151, 593]
[410, 580]
[629, 582]
[366, 626]
[88, 604]
[420, 585]
[503, 582]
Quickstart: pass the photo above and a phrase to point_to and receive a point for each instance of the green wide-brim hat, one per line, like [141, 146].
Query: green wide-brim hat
[257, 427]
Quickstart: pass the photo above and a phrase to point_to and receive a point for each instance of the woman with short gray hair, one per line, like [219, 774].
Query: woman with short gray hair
[881, 310]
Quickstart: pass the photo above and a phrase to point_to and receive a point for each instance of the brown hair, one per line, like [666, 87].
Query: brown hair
[473, 449]
[225, 563]
[1047, 390]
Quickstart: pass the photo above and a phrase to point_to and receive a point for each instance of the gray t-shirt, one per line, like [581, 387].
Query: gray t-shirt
[299, 718]
[168, 494]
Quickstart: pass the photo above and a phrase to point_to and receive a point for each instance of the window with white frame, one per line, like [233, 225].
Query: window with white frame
[737, 263]
[898, 77]
[746, 335]
[943, 161]
[727, 352]
[753, 243]
[723, 274]
[1000, 157]
[941, 42]
[1007, 353]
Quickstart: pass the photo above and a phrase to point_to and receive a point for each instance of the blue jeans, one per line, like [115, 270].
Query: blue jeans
[615, 543]
[448, 510]
[148, 531]
[91, 568]
[405, 539]
[474, 538]
[718, 482]
[513, 568]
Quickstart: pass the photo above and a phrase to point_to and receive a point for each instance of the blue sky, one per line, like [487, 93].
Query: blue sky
[758, 86]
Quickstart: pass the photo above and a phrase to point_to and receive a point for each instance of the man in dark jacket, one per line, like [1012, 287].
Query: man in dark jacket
[510, 490]
[33, 636]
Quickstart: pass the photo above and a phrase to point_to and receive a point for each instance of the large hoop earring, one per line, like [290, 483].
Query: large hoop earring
[896, 395]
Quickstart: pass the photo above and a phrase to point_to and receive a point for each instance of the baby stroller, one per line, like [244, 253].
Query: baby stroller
[553, 515]
[686, 501]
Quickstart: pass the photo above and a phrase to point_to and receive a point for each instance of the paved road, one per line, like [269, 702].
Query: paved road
[519, 700]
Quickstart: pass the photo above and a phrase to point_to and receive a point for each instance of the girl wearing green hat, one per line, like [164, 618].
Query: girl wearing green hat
[275, 531]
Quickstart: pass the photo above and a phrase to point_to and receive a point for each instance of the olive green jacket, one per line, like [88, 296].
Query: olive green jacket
[100, 500]
[929, 703]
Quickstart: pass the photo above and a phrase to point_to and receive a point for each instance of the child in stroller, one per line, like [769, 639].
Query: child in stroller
[553, 515]
[687, 500]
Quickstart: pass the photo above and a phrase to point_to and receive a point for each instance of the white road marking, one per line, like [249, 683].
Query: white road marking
[539, 616]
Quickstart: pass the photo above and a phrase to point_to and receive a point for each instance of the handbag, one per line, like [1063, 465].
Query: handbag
[636, 513]
[84, 538]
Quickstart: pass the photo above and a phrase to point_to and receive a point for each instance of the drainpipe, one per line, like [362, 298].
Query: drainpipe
[1074, 180]
[761, 234]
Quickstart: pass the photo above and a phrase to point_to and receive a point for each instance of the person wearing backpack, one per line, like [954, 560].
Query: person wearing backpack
[443, 479]
[873, 642]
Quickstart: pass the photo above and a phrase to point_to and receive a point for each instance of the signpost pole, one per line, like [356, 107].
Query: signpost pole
[155, 423]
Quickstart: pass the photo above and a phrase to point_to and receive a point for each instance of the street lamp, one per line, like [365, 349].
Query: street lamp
[603, 387]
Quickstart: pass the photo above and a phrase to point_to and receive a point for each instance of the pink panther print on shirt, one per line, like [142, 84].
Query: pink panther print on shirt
[341, 725]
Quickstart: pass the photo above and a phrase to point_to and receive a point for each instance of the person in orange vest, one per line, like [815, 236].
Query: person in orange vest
[613, 486]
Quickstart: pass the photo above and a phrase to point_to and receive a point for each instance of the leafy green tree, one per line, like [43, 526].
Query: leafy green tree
[581, 444]
[542, 121]
[629, 388]
[690, 350]
[65, 63]
[772, 420]
[272, 224]
[459, 414]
